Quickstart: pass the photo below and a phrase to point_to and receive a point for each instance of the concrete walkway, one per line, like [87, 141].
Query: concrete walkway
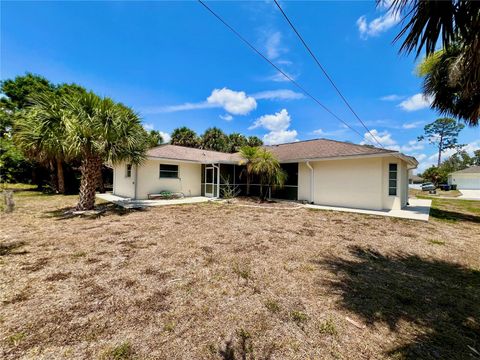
[128, 203]
[469, 194]
[419, 209]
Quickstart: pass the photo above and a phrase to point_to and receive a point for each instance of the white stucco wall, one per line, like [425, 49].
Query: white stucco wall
[188, 182]
[149, 181]
[123, 185]
[359, 183]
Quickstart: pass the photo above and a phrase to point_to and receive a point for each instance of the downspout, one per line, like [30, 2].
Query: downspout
[312, 182]
[135, 183]
[218, 179]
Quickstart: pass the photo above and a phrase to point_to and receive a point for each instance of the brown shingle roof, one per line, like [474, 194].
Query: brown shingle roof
[469, 170]
[176, 152]
[290, 152]
[321, 148]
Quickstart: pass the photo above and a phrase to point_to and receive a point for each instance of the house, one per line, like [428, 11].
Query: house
[415, 179]
[320, 171]
[467, 179]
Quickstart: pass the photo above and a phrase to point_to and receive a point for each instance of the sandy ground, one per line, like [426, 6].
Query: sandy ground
[225, 281]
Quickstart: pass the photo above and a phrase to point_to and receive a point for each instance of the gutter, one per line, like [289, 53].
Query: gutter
[312, 182]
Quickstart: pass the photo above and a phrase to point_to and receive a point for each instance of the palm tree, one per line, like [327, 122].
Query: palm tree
[215, 139]
[100, 130]
[155, 138]
[248, 154]
[236, 141]
[455, 22]
[444, 80]
[254, 141]
[184, 136]
[268, 169]
[40, 133]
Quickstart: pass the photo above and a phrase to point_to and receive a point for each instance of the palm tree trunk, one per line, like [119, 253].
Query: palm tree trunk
[88, 183]
[60, 177]
[248, 184]
[100, 186]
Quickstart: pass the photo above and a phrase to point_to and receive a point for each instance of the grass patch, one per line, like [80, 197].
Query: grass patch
[123, 351]
[273, 306]
[242, 270]
[328, 327]
[79, 254]
[436, 242]
[299, 317]
[16, 338]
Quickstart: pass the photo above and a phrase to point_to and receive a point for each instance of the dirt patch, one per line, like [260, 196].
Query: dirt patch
[225, 281]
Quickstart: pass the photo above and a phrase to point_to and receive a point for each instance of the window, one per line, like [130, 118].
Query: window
[168, 171]
[392, 179]
[128, 170]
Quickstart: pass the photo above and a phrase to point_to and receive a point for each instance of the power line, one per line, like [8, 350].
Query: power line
[278, 69]
[325, 72]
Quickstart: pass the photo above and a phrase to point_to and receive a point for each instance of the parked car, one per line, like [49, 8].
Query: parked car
[428, 186]
[444, 187]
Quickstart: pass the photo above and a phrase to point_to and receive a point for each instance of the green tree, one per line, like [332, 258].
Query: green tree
[443, 133]
[453, 22]
[476, 158]
[458, 161]
[154, 138]
[184, 136]
[266, 166]
[18, 91]
[214, 139]
[41, 133]
[435, 175]
[444, 81]
[254, 141]
[248, 155]
[100, 130]
[236, 141]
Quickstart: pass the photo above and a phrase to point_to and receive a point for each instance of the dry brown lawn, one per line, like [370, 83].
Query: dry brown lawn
[223, 281]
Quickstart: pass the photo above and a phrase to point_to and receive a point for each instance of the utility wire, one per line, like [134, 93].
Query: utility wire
[325, 72]
[279, 70]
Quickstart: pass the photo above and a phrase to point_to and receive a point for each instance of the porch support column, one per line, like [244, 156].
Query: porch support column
[312, 182]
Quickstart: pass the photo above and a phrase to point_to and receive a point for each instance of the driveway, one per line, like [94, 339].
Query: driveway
[470, 195]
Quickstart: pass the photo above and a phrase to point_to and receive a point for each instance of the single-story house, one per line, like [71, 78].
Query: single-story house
[320, 171]
[467, 179]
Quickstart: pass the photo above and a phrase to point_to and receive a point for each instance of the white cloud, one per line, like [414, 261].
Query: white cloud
[166, 136]
[278, 125]
[226, 117]
[280, 137]
[416, 102]
[279, 77]
[235, 102]
[377, 25]
[383, 137]
[148, 126]
[273, 45]
[412, 125]
[176, 108]
[339, 132]
[281, 94]
[392, 97]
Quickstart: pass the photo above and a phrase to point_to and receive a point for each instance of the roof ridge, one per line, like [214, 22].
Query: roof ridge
[337, 141]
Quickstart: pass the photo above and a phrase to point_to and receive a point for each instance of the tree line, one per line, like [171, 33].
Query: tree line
[213, 139]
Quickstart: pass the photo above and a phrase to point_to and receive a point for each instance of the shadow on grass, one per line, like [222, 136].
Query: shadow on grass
[439, 300]
[9, 249]
[453, 216]
[100, 211]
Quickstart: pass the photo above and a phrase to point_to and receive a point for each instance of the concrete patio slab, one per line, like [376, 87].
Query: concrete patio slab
[128, 203]
[469, 194]
[419, 209]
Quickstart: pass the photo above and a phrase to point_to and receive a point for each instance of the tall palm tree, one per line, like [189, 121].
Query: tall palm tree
[100, 130]
[248, 154]
[236, 141]
[268, 169]
[40, 133]
[184, 136]
[444, 79]
[215, 139]
[455, 22]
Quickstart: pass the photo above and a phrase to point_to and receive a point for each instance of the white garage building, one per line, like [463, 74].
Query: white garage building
[467, 179]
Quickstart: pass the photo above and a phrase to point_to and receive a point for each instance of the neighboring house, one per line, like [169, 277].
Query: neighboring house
[320, 171]
[415, 179]
[467, 179]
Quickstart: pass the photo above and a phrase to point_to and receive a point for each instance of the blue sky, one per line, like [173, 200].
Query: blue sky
[176, 65]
